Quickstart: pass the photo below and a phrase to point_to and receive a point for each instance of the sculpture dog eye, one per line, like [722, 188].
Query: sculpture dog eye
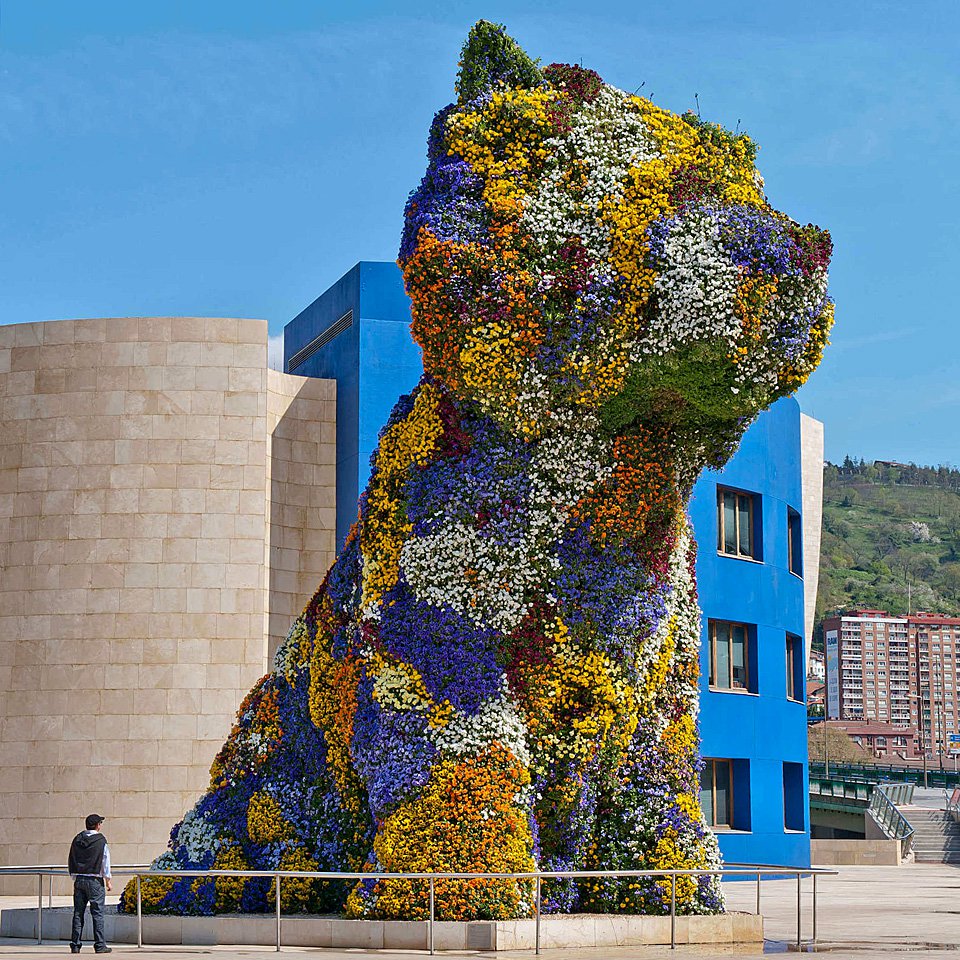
[500, 672]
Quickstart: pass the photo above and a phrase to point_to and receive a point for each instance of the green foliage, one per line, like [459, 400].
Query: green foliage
[490, 56]
[695, 385]
[891, 536]
[691, 393]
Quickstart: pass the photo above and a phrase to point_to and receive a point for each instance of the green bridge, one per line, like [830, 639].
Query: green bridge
[843, 805]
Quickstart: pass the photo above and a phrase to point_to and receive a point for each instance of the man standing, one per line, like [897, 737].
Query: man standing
[89, 865]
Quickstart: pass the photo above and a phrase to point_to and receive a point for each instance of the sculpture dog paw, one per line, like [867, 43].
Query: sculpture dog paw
[500, 672]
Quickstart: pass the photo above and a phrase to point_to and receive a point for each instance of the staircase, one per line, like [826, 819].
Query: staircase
[936, 837]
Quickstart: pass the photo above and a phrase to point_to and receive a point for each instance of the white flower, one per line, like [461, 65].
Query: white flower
[606, 138]
[497, 721]
[695, 289]
[196, 836]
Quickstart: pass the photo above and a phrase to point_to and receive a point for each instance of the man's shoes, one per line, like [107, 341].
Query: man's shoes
[104, 950]
[74, 949]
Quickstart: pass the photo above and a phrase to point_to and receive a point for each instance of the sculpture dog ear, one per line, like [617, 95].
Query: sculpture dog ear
[491, 56]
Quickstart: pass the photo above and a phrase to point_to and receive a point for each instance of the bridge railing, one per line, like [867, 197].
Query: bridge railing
[878, 772]
[840, 788]
[737, 870]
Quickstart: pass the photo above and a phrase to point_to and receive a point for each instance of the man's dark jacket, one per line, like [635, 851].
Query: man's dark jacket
[86, 853]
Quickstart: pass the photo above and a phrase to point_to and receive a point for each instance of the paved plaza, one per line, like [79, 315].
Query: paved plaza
[863, 912]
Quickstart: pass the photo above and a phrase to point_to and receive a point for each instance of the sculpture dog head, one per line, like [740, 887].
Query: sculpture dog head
[576, 250]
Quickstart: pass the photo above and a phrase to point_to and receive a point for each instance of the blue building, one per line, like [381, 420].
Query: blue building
[750, 575]
[357, 333]
[756, 596]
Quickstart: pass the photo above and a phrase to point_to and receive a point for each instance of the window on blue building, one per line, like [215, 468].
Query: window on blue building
[795, 667]
[716, 792]
[731, 656]
[721, 781]
[794, 799]
[794, 542]
[738, 528]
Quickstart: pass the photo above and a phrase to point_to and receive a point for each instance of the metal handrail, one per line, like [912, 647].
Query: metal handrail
[883, 808]
[760, 870]
[898, 793]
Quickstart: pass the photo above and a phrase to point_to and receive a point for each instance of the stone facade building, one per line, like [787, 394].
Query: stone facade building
[167, 505]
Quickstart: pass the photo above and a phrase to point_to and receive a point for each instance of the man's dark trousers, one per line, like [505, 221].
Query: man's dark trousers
[88, 890]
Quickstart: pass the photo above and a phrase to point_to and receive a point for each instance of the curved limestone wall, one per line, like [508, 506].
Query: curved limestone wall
[167, 504]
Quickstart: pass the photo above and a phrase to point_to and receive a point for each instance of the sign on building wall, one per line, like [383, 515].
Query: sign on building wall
[833, 675]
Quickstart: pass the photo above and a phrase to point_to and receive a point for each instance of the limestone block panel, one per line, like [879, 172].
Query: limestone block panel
[811, 478]
[301, 495]
[151, 472]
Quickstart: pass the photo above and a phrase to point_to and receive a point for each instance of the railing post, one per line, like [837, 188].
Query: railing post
[537, 919]
[39, 908]
[758, 893]
[139, 915]
[430, 925]
[814, 909]
[799, 908]
[50, 891]
[673, 911]
[278, 912]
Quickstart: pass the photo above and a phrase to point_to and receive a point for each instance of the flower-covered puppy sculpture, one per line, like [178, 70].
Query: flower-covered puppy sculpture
[500, 672]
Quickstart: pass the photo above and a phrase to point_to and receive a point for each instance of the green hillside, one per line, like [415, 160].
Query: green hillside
[890, 532]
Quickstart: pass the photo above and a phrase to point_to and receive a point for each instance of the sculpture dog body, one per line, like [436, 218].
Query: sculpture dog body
[500, 672]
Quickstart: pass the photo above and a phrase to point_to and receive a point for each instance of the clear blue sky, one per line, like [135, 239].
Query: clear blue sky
[234, 157]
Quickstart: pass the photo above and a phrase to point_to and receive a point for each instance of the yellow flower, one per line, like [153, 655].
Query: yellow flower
[402, 446]
[265, 820]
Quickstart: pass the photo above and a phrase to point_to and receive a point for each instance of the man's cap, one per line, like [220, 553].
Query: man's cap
[94, 820]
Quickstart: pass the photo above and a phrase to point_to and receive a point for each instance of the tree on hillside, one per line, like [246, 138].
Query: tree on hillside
[950, 580]
[889, 537]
